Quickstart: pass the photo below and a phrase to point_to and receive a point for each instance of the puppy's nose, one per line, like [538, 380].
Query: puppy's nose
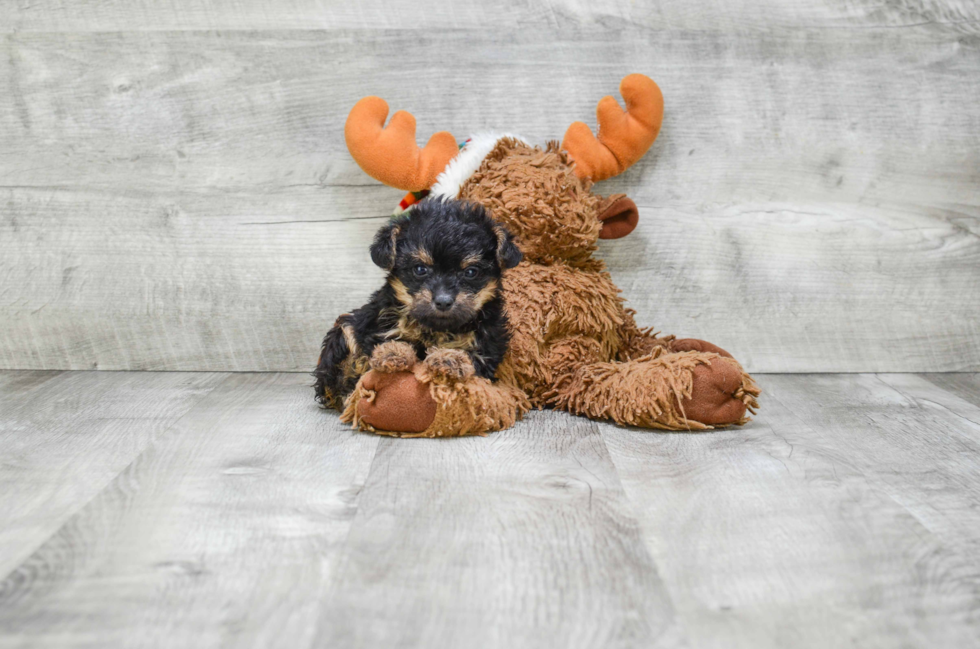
[443, 301]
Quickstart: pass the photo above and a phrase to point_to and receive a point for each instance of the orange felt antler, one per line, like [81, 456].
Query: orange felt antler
[624, 136]
[391, 154]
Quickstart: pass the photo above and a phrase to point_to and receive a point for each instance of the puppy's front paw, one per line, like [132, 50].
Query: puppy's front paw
[393, 356]
[448, 365]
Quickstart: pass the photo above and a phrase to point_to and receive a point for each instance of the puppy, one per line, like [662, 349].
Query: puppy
[441, 303]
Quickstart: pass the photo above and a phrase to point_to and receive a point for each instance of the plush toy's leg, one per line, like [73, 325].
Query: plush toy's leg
[671, 391]
[404, 405]
[639, 342]
[394, 402]
[439, 397]
[696, 345]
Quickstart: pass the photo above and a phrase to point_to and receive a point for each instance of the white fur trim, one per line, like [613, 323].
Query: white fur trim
[464, 165]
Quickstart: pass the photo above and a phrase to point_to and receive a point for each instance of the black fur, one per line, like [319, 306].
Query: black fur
[441, 236]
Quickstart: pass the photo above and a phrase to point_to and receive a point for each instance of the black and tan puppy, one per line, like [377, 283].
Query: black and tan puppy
[441, 300]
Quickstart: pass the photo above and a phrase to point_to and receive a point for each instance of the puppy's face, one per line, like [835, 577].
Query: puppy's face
[444, 261]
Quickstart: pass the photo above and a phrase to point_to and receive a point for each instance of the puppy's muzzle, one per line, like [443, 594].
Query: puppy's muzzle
[443, 301]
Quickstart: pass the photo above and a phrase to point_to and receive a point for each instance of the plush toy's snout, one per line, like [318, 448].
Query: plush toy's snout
[619, 217]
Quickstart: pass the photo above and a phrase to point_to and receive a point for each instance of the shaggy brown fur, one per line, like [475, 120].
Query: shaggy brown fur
[574, 346]
[547, 208]
[464, 404]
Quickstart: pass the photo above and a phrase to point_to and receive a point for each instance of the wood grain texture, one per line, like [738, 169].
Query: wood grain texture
[223, 532]
[155, 15]
[963, 385]
[520, 539]
[184, 201]
[848, 510]
[846, 514]
[65, 436]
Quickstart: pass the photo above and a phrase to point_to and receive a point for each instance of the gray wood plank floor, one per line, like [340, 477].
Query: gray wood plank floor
[207, 510]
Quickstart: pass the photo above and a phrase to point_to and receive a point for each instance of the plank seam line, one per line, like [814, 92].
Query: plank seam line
[70, 515]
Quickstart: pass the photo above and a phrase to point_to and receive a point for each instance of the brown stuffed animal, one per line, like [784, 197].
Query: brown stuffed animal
[575, 346]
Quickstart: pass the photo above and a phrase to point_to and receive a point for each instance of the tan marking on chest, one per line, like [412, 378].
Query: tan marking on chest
[409, 331]
[355, 366]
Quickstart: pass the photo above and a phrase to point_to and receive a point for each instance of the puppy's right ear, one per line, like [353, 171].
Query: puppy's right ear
[508, 254]
[383, 248]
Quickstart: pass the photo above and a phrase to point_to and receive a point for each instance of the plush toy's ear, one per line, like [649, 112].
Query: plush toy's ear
[619, 216]
[508, 254]
[383, 248]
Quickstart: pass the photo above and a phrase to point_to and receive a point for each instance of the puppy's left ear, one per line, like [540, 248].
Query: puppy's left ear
[508, 254]
[383, 248]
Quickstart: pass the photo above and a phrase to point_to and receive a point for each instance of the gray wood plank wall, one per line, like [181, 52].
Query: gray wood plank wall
[175, 192]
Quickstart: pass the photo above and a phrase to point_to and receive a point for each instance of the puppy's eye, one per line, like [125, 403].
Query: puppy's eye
[471, 272]
[420, 270]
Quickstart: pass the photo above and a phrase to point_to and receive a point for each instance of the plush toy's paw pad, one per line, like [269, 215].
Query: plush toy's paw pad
[393, 356]
[448, 364]
[695, 345]
[718, 395]
[396, 402]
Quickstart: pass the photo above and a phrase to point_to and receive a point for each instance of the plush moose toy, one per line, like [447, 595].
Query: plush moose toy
[574, 345]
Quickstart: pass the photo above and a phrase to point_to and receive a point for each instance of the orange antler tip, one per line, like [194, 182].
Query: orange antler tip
[624, 135]
[391, 154]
